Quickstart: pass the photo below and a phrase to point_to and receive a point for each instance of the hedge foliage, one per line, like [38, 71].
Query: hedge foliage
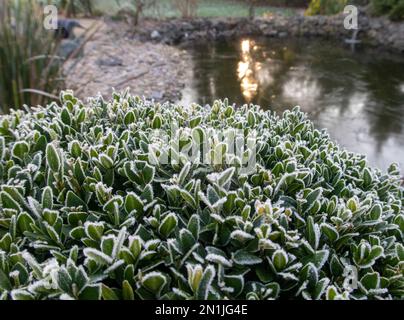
[85, 214]
[393, 8]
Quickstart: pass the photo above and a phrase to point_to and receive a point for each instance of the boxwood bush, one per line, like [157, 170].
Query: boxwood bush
[86, 214]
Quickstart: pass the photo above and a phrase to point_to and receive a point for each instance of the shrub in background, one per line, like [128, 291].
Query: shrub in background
[73, 7]
[86, 214]
[136, 9]
[393, 8]
[284, 3]
[397, 12]
[30, 71]
[325, 7]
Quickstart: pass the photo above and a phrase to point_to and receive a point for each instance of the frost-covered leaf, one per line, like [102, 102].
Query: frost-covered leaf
[98, 256]
[245, 258]
[168, 224]
[97, 203]
[53, 158]
[205, 283]
[154, 282]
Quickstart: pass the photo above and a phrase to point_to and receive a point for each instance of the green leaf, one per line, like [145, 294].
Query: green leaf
[148, 173]
[52, 158]
[91, 293]
[135, 246]
[24, 222]
[129, 118]
[157, 121]
[320, 288]
[331, 293]
[5, 283]
[376, 252]
[98, 256]
[236, 282]
[81, 117]
[280, 259]
[168, 224]
[331, 232]
[5, 242]
[16, 193]
[20, 149]
[194, 122]
[22, 295]
[75, 149]
[64, 280]
[400, 251]
[189, 199]
[78, 233]
[311, 198]
[108, 293]
[376, 212]
[40, 144]
[133, 202]
[154, 282]
[73, 201]
[318, 259]
[94, 230]
[184, 173]
[245, 258]
[8, 202]
[313, 233]
[371, 281]
[65, 117]
[226, 176]
[310, 273]
[251, 119]
[194, 226]
[127, 291]
[2, 148]
[187, 240]
[205, 283]
[367, 177]
[47, 198]
[106, 161]
[352, 204]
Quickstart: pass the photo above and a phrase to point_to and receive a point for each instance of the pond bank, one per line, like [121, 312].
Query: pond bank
[111, 59]
[148, 63]
[374, 31]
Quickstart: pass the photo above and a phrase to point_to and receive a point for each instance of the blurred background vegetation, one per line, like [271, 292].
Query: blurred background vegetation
[326, 7]
[224, 8]
[393, 8]
[180, 8]
[30, 70]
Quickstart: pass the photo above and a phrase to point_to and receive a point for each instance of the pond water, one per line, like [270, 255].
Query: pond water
[357, 94]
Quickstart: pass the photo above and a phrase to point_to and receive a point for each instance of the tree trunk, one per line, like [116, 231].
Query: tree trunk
[138, 11]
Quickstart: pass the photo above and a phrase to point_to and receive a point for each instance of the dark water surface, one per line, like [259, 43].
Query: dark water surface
[357, 95]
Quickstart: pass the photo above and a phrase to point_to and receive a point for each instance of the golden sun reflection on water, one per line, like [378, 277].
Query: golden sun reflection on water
[246, 71]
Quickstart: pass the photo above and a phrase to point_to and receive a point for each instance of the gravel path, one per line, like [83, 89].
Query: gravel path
[112, 60]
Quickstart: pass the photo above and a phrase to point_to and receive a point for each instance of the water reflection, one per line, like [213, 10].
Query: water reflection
[301, 88]
[246, 71]
[358, 96]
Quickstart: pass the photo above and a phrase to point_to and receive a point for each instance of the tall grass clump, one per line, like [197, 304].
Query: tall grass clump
[30, 71]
